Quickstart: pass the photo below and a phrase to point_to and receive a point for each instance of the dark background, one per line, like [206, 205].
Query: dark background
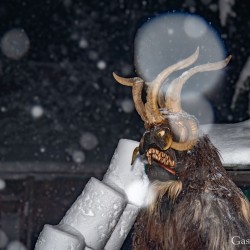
[37, 154]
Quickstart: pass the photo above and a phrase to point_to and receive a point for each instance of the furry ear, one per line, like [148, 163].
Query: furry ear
[158, 189]
[245, 209]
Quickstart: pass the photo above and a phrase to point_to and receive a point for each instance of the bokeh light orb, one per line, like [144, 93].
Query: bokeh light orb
[15, 43]
[197, 105]
[3, 239]
[169, 38]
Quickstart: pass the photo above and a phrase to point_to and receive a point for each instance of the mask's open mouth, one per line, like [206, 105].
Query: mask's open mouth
[163, 159]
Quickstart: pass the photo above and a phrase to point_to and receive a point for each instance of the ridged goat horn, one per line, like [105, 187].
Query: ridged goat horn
[137, 85]
[152, 109]
[172, 97]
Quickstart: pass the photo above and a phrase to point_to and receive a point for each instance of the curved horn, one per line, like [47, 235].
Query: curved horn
[172, 97]
[193, 134]
[137, 85]
[151, 106]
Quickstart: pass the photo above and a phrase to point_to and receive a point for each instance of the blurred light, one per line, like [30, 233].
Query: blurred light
[2, 184]
[92, 55]
[194, 28]
[88, 141]
[167, 39]
[127, 105]
[83, 43]
[78, 156]
[3, 239]
[37, 111]
[197, 105]
[101, 65]
[16, 245]
[15, 44]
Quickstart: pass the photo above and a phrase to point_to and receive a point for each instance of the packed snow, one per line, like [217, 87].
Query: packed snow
[122, 228]
[94, 215]
[233, 142]
[129, 180]
[60, 237]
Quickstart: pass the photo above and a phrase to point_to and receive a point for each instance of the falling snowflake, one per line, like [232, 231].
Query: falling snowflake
[88, 141]
[78, 156]
[37, 111]
[83, 43]
[127, 105]
[101, 65]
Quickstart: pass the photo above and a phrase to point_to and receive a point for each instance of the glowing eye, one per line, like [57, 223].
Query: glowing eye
[161, 133]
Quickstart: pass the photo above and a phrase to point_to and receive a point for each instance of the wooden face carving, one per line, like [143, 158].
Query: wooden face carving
[160, 142]
[155, 146]
[168, 127]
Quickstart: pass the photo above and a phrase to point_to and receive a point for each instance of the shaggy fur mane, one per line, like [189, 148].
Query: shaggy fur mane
[204, 212]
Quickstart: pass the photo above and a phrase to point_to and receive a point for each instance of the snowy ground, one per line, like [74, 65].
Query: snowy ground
[233, 142]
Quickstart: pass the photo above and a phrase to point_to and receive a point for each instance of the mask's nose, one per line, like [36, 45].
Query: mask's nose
[145, 143]
[163, 140]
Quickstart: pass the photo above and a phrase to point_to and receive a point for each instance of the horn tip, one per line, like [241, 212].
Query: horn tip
[228, 59]
[115, 75]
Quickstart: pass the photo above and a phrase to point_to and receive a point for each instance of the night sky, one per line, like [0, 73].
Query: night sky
[66, 74]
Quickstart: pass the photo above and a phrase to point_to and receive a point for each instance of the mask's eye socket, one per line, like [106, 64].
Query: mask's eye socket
[164, 138]
[161, 133]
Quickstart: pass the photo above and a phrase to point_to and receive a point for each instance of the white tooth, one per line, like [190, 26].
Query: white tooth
[150, 160]
[162, 155]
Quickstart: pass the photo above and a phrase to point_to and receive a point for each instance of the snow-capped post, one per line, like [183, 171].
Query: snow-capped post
[132, 182]
[104, 213]
[122, 228]
[60, 237]
[95, 213]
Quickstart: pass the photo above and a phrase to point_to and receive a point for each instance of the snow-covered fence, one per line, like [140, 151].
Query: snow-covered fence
[105, 211]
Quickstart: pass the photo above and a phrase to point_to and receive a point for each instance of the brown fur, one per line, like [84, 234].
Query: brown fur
[208, 212]
[158, 189]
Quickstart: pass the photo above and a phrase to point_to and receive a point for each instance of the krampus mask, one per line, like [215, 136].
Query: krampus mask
[192, 202]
